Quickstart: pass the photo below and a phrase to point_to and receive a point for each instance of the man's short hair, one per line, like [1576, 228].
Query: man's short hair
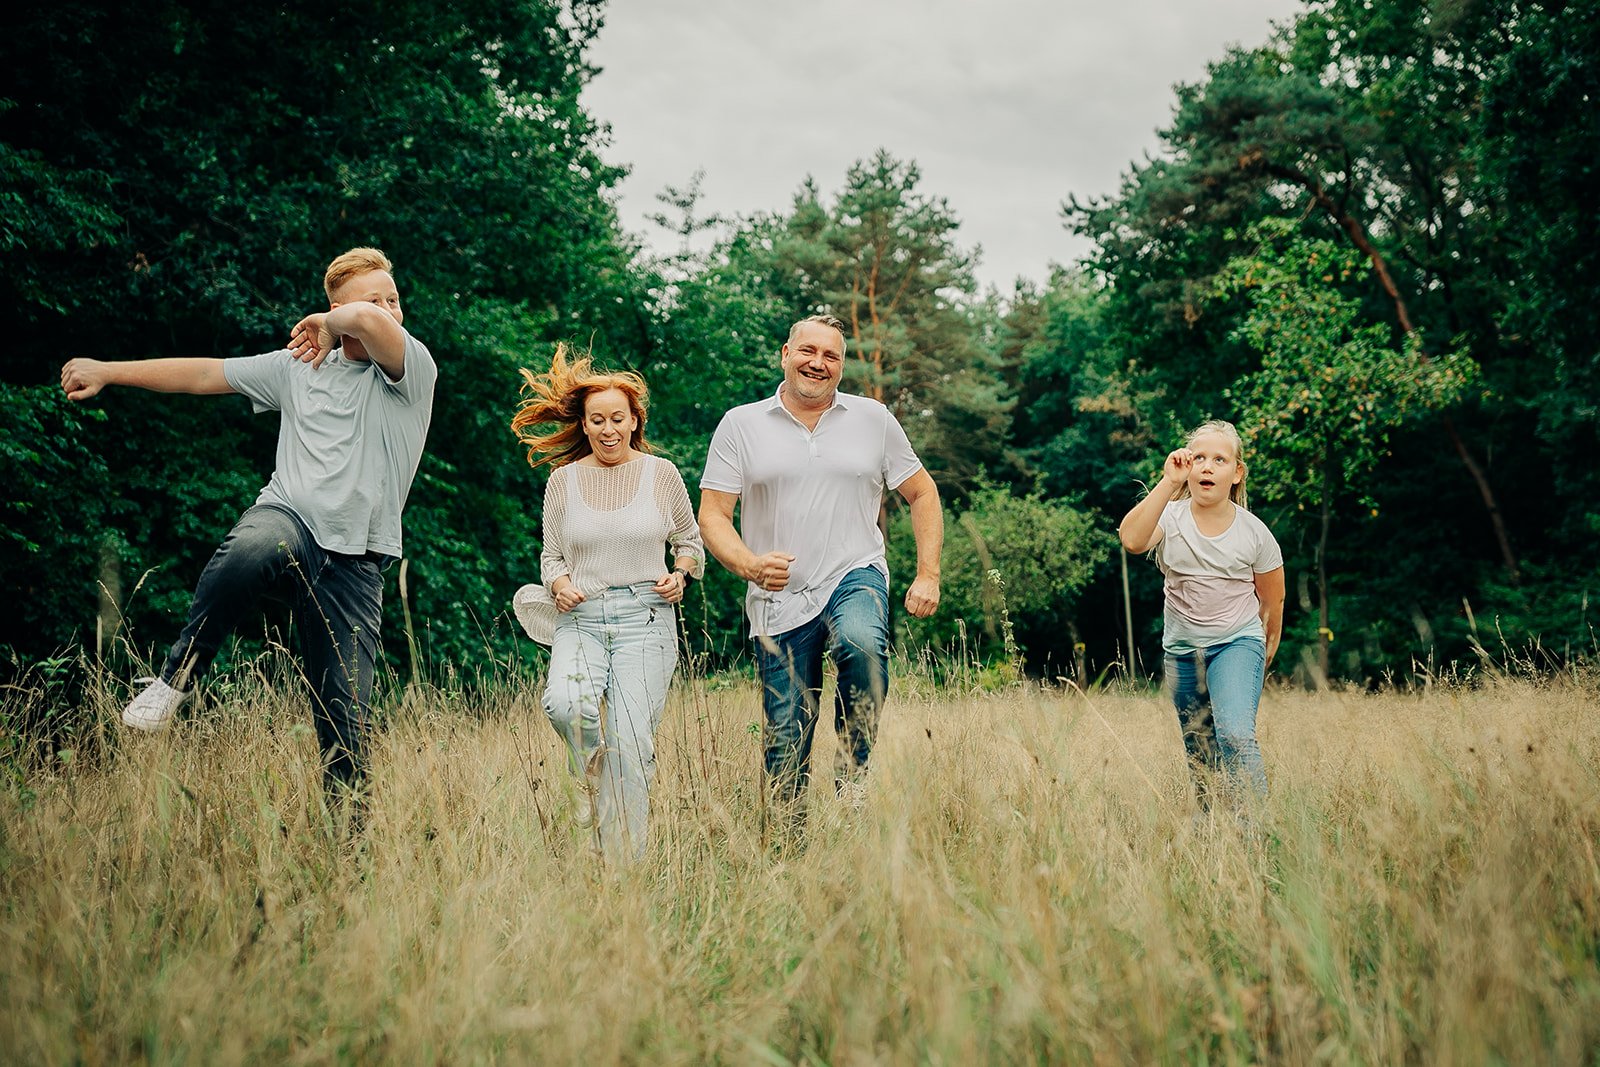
[822, 320]
[354, 262]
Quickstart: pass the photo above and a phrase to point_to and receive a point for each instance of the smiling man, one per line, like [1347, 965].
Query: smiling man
[354, 393]
[808, 466]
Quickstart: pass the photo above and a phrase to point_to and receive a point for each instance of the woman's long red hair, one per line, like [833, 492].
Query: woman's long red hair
[557, 398]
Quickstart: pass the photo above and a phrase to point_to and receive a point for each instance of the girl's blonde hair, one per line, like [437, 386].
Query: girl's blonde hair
[1226, 429]
[557, 397]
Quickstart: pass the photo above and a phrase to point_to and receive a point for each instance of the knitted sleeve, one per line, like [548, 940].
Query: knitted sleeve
[553, 561]
[672, 500]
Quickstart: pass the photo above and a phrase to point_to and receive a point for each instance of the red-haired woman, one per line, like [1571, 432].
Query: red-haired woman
[606, 605]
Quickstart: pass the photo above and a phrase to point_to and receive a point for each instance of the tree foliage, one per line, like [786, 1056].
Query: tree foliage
[1371, 242]
[187, 173]
[882, 256]
[1014, 567]
[1448, 146]
[1331, 391]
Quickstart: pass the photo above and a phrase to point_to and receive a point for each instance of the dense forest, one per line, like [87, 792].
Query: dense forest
[1371, 243]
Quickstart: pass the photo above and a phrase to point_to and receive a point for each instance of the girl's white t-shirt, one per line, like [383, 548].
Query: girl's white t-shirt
[1210, 581]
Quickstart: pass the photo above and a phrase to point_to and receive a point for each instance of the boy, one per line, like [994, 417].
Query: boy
[354, 392]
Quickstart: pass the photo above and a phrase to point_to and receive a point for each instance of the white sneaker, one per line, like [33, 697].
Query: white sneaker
[152, 709]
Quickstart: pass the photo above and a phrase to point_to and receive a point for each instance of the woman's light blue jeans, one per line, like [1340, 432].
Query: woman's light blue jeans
[611, 664]
[1217, 691]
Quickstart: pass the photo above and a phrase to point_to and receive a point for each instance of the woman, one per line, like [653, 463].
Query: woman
[606, 605]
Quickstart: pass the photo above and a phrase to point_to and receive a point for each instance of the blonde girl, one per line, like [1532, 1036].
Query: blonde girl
[1223, 593]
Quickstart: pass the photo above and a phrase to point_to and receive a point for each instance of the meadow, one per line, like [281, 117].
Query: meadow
[1027, 882]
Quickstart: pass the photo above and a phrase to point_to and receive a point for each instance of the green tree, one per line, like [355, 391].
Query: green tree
[1447, 142]
[187, 174]
[883, 257]
[1532, 137]
[1330, 392]
[716, 328]
[1014, 567]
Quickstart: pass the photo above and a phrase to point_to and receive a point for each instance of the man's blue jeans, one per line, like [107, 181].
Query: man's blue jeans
[853, 630]
[338, 603]
[1217, 691]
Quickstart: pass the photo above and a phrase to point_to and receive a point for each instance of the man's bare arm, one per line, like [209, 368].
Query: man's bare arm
[927, 527]
[770, 571]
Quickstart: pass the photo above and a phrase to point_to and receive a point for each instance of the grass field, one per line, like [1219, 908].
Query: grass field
[1026, 883]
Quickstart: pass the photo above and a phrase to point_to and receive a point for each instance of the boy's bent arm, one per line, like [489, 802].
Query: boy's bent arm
[83, 378]
[382, 338]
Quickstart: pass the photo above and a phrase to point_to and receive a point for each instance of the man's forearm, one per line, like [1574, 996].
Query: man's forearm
[724, 543]
[927, 529]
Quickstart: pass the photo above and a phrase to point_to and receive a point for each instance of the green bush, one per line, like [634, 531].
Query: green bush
[1013, 569]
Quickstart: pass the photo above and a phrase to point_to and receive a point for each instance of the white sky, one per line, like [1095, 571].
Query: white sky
[1008, 106]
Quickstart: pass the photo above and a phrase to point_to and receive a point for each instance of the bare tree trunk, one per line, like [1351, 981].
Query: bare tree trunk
[1324, 630]
[877, 334]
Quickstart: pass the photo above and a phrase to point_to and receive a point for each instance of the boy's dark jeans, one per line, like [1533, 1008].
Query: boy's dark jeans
[338, 603]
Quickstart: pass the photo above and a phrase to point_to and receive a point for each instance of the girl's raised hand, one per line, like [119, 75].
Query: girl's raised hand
[1176, 468]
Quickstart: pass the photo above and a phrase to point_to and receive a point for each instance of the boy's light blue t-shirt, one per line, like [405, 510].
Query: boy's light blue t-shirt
[349, 440]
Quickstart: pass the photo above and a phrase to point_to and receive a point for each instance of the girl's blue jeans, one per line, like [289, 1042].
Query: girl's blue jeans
[1217, 691]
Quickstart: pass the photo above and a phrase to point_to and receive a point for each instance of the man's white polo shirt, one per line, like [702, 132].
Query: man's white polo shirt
[814, 494]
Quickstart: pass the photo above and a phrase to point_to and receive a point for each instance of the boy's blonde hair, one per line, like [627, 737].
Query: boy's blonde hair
[354, 262]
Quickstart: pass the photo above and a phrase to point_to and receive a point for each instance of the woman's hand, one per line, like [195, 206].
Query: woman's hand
[569, 595]
[671, 585]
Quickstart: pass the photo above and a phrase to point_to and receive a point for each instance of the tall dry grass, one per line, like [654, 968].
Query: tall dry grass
[1026, 883]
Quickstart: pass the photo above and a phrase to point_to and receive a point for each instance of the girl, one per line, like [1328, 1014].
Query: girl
[606, 605]
[1224, 600]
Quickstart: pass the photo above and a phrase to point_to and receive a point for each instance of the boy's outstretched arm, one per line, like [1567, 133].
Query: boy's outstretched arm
[83, 378]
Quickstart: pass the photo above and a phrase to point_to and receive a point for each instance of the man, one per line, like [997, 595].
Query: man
[810, 465]
[354, 392]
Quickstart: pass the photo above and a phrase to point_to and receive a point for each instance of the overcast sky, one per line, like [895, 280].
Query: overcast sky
[1008, 106]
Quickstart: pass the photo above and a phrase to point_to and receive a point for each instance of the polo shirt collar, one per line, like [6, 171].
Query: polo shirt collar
[841, 400]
